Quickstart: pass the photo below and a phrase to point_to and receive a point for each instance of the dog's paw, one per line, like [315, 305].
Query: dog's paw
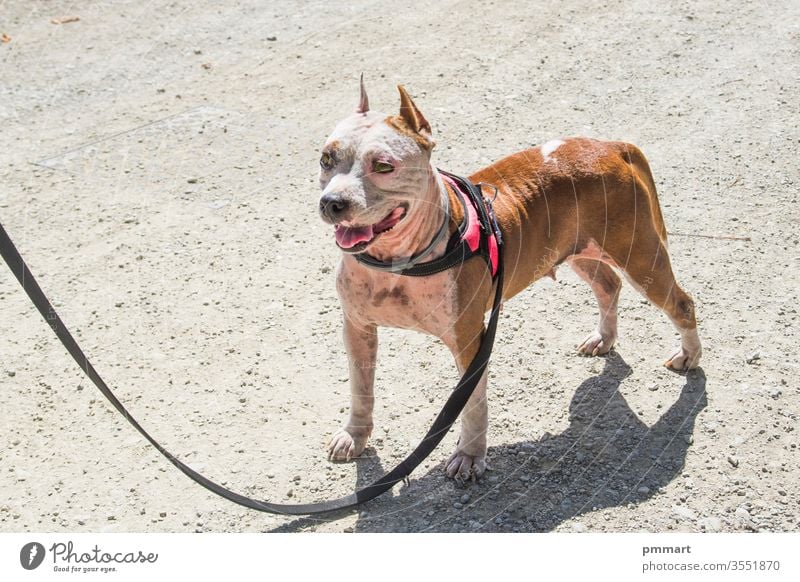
[344, 446]
[463, 467]
[683, 360]
[596, 344]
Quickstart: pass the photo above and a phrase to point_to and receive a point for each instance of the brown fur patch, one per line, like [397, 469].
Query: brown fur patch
[397, 294]
[401, 126]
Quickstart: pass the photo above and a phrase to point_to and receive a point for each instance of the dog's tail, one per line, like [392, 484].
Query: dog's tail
[642, 170]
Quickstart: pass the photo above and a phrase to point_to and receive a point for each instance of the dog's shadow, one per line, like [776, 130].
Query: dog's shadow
[607, 457]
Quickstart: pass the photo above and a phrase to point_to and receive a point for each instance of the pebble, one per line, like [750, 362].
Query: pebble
[644, 490]
[733, 461]
[683, 512]
[465, 498]
[753, 358]
[578, 527]
[742, 514]
[11, 373]
[458, 505]
[711, 524]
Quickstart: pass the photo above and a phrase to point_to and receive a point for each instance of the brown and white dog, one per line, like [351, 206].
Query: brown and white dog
[588, 203]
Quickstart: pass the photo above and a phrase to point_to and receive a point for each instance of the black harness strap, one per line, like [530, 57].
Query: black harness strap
[450, 412]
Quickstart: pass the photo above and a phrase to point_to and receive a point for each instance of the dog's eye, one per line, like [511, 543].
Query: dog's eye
[382, 167]
[326, 161]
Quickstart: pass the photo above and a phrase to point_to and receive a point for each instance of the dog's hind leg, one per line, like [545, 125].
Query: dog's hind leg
[605, 284]
[650, 272]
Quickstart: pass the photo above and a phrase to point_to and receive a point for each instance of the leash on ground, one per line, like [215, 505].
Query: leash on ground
[448, 415]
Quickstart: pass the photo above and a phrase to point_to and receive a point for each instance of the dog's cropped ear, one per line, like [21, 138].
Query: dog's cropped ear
[411, 115]
[363, 102]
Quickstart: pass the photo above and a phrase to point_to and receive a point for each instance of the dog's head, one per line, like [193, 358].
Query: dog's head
[374, 170]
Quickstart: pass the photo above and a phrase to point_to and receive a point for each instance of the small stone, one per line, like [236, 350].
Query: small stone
[458, 505]
[711, 524]
[348, 529]
[290, 493]
[112, 518]
[272, 38]
[465, 498]
[643, 490]
[578, 527]
[742, 513]
[733, 461]
[162, 514]
[192, 180]
[753, 358]
[683, 512]
[11, 373]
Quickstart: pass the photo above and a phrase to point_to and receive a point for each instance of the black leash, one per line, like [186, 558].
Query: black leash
[450, 412]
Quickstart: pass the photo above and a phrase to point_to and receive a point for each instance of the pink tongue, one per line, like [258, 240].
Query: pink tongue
[350, 237]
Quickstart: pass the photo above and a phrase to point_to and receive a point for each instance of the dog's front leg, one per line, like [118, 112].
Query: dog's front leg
[469, 459]
[361, 343]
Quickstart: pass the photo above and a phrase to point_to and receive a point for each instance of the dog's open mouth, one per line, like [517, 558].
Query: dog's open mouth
[354, 239]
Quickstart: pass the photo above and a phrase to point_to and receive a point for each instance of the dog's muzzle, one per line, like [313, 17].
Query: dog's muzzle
[333, 207]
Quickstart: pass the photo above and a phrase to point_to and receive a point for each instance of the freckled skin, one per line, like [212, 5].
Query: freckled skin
[589, 203]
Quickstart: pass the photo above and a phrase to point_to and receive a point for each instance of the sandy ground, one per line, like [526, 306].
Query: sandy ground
[158, 171]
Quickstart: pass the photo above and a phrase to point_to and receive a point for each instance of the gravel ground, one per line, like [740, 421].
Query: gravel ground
[158, 172]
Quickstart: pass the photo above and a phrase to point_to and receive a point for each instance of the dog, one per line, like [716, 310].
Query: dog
[587, 203]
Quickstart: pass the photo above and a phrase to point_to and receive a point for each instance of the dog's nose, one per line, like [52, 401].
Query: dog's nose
[333, 207]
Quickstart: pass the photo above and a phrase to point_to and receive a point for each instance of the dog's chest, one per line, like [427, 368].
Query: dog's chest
[427, 304]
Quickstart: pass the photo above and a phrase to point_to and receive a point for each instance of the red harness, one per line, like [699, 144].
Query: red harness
[473, 229]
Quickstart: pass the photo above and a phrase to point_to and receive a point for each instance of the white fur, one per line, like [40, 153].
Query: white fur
[690, 341]
[549, 148]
